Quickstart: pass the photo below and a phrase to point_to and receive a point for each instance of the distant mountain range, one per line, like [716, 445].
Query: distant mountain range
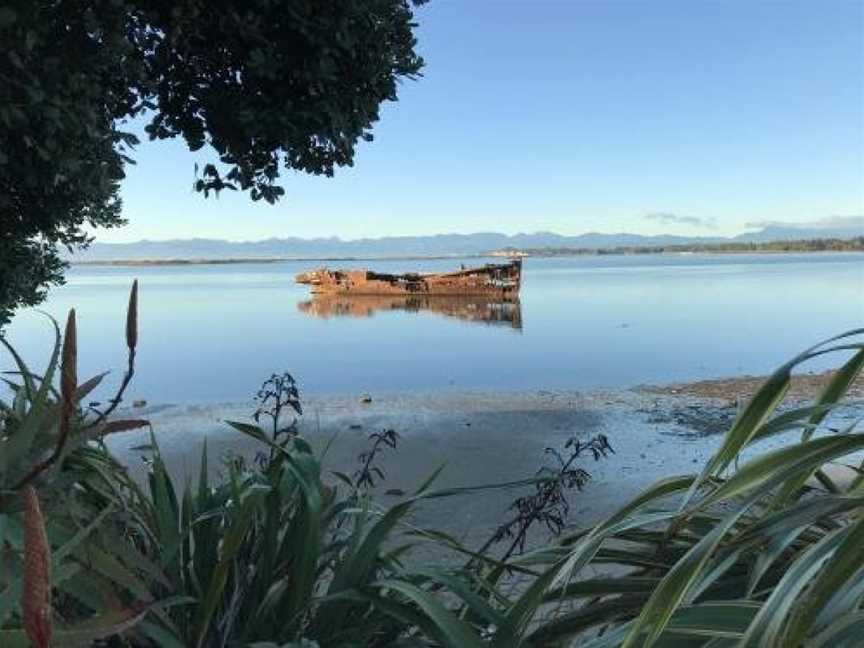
[425, 246]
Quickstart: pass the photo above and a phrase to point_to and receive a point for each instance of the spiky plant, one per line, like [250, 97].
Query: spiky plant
[752, 551]
[73, 566]
[763, 552]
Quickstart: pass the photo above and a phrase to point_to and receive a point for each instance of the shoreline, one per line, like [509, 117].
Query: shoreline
[482, 438]
[254, 260]
[804, 386]
[495, 254]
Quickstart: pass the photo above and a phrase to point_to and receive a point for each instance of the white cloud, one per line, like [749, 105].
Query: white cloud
[681, 219]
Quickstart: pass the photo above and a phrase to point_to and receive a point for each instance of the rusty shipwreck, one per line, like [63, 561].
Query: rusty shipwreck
[498, 281]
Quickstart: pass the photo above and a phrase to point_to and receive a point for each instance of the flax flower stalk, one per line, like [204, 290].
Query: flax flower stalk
[68, 377]
[131, 343]
[36, 597]
[68, 386]
[132, 319]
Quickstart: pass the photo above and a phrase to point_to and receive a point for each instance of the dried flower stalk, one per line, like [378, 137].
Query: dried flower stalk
[36, 598]
[68, 376]
[132, 318]
[131, 343]
[68, 386]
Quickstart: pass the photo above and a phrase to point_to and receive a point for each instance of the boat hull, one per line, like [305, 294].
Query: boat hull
[498, 281]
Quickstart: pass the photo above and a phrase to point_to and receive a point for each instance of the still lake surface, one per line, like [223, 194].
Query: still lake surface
[211, 333]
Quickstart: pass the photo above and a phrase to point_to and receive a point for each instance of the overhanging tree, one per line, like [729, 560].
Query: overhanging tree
[268, 84]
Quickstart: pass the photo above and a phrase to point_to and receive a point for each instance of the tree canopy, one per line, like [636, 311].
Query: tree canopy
[268, 84]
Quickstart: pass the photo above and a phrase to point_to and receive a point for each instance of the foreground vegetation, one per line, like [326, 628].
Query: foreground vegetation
[754, 550]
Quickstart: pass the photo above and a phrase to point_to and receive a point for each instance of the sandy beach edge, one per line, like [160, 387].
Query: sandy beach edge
[484, 438]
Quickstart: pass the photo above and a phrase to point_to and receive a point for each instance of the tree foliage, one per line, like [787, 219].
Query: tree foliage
[269, 85]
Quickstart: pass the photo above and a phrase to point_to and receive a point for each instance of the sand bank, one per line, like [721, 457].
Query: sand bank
[481, 438]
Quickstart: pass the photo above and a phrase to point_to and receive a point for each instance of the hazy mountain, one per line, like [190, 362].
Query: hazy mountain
[440, 245]
[790, 233]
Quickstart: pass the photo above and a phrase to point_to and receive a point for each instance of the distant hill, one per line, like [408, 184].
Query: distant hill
[787, 233]
[422, 246]
[855, 244]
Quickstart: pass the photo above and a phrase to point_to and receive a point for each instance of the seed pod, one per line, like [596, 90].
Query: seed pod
[132, 318]
[69, 371]
[36, 597]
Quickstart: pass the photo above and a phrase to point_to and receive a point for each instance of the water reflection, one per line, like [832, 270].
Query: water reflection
[478, 310]
[595, 322]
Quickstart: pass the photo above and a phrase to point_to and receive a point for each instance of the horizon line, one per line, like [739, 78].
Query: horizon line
[462, 234]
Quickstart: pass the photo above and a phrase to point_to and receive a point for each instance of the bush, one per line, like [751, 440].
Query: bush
[765, 552]
[73, 570]
[272, 554]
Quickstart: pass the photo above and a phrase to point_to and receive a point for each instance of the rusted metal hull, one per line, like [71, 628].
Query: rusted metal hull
[498, 281]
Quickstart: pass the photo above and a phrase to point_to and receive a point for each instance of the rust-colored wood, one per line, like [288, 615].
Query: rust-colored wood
[491, 280]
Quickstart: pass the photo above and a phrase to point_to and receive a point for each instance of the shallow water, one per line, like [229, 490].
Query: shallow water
[213, 333]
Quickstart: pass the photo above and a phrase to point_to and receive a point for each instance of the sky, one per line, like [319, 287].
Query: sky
[688, 116]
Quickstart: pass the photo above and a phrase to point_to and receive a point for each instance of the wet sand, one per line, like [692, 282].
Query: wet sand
[481, 438]
[738, 389]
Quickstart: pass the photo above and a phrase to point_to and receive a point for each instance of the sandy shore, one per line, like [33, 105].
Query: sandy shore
[738, 389]
[481, 438]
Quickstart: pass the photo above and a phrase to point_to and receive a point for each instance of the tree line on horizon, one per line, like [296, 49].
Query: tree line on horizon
[855, 244]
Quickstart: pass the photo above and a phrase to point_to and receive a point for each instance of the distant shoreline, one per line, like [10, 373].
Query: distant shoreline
[855, 244]
[494, 254]
[251, 260]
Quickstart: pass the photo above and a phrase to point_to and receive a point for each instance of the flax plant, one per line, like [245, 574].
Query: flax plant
[73, 548]
[757, 550]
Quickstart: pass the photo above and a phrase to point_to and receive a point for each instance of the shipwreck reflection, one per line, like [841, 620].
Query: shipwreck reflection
[477, 310]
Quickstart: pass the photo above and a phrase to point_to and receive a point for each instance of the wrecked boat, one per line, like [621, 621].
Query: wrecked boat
[499, 281]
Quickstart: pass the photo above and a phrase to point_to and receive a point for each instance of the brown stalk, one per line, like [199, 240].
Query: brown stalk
[36, 597]
[68, 378]
[131, 344]
[68, 385]
[132, 318]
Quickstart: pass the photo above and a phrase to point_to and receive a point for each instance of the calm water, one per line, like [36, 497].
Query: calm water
[212, 333]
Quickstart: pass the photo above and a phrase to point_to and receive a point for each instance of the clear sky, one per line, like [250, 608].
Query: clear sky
[687, 116]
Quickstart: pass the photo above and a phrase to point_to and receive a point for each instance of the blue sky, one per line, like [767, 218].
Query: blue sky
[692, 117]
